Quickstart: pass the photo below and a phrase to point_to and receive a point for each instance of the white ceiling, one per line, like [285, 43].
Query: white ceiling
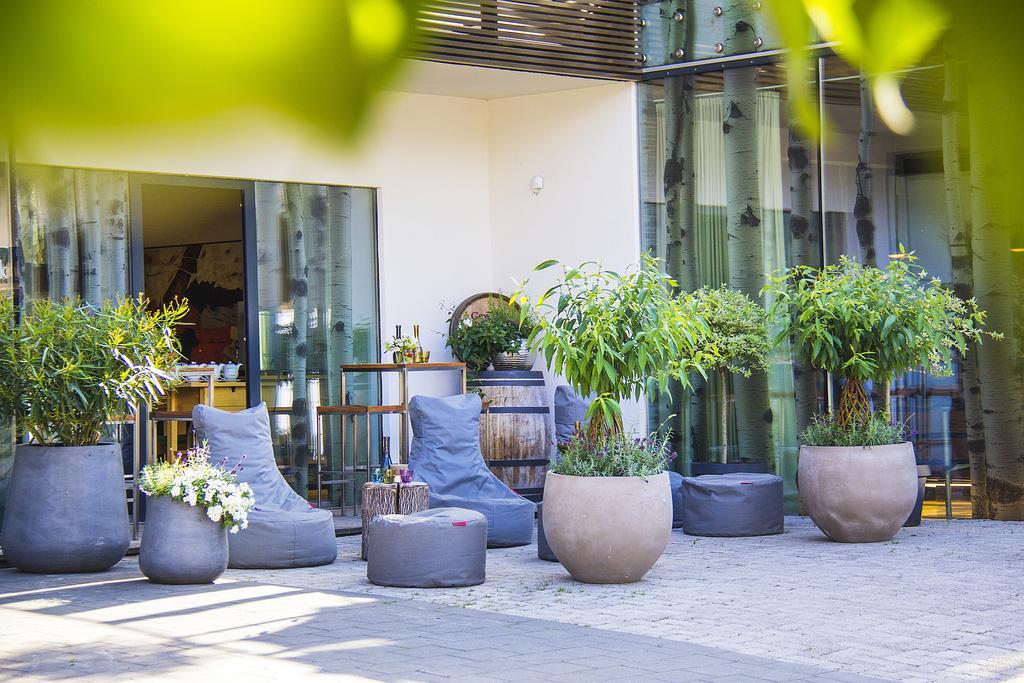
[481, 83]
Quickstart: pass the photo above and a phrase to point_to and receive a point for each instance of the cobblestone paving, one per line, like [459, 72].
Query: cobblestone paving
[116, 626]
[944, 601]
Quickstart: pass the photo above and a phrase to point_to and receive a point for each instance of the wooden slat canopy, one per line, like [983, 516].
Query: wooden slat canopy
[596, 38]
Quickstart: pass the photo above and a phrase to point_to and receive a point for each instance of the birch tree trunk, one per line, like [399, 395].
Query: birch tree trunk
[958, 218]
[113, 229]
[746, 250]
[58, 221]
[299, 291]
[862, 208]
[339, 338]
[317, 255]
[998, 366]
[805, 253]
[30, 235]
[87, 216]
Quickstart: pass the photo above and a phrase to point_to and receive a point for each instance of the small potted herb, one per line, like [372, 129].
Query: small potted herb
[857, 472]
[193, 505]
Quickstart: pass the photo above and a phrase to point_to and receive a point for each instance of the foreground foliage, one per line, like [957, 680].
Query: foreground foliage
[68, 367]
[192, 479]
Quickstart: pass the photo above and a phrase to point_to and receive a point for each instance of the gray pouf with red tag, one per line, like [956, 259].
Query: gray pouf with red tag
[738, 504]
[437, 548]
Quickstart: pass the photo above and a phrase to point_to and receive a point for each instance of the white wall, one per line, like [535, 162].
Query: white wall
[584, 144]
[456, 214]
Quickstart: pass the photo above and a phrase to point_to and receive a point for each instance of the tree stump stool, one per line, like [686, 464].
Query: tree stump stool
[389, 499]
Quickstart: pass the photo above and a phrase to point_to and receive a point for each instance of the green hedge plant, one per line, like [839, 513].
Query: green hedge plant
[613, 455]
[738, 329]
[615, 335]
[69, 366]
[865, 323]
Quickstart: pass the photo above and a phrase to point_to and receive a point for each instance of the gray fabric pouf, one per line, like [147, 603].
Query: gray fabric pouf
[544, 551]
[437, 548]
[675, 480]
[740, 504]
[284, 530]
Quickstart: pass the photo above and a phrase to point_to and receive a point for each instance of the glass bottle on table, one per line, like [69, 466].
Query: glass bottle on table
[418, 354]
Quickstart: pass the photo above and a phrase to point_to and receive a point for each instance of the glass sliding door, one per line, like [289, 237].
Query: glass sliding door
[317, 309]
[6, 290]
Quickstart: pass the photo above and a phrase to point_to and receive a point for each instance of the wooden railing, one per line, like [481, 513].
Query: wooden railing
[596, 38]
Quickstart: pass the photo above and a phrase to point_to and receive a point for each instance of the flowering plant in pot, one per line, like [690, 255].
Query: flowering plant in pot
[738, 327]
[857, 473]
[68, 367]
[608, 503]
[497, 335]
[193, 505]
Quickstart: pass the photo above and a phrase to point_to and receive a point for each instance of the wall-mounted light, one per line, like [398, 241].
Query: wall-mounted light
[537, 184]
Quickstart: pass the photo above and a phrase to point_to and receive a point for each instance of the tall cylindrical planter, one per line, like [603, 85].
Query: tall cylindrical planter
[607, 529]
[66, 509]
[180, 544]
[860, 494]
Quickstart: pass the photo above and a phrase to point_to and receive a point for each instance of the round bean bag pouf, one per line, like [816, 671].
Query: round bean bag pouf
[437, 548]
[675, 480]
[740, 504]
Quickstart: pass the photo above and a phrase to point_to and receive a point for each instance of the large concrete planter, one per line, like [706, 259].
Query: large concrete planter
[607, 529]
[66, 509]
[858, 494]
[180, 544]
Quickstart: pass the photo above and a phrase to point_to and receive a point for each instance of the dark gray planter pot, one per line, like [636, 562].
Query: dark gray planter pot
[180, 544]
[66, 509]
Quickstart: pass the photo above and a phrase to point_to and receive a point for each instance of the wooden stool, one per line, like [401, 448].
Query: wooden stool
[389, 499]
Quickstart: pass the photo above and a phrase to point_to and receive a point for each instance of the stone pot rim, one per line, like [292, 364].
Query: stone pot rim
[853, 448]
[593, 478]
[62, 447]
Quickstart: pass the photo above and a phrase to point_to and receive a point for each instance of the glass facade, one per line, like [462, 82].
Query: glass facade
[6, 289]
[731, 190]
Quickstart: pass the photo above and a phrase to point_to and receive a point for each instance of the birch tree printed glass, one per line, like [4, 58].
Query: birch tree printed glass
[6, 285]
[72, 227]
[318, 308]
[730, 193]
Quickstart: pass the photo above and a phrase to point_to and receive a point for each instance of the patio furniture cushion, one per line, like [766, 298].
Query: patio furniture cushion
[738, 504]
[442, 547]
[676, 482]
[446, 455]
[569, 409]
[284, 530]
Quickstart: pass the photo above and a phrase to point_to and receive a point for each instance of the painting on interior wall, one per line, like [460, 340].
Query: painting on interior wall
[211, 277]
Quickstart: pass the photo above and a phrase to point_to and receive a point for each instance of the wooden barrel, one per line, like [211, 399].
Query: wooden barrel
[514, 433]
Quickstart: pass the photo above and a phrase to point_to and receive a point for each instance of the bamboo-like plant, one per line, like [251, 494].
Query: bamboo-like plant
[68, 366]
[738, 328]
[865, 323]
[613, 336]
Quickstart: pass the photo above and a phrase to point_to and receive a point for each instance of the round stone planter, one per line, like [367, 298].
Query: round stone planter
[607, 529]
[66, 509]
[858, 494]
[180, 544]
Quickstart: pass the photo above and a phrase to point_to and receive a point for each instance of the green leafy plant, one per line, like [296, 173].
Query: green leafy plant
[613, 336]
[874, 430]
[738, 328]
[68, 366]
[613, 455]
[479, 336]
[193, 480]
[865, 323]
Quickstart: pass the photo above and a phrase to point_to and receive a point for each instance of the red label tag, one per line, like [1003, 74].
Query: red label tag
[458, 524]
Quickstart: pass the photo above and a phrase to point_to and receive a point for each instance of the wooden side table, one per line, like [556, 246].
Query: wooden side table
[389, 499]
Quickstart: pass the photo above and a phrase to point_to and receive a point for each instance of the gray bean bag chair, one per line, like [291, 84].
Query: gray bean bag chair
[446, 455]
[569, 409]
[438, 548]
[738, 504]
[284, 530]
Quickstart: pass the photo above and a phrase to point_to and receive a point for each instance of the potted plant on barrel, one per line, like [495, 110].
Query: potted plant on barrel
[193, 505]
[607, 503]
[496, 336]
[68, 367]
[738, 326]
[857, 474]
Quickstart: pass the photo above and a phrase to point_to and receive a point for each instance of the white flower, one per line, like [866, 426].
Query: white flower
[215, 512]
[234, 529]
[468, 322]
[176, 490]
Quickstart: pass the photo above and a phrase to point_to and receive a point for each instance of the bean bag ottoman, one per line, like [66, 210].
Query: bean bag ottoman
[738, 504]
[437, 548]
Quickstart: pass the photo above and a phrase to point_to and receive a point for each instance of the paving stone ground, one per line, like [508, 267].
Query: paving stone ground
[942, 602]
